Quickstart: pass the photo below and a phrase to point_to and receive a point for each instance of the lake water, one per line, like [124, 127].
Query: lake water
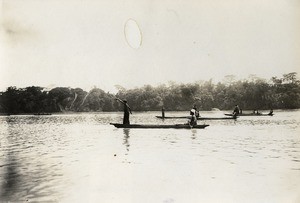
[81, 158]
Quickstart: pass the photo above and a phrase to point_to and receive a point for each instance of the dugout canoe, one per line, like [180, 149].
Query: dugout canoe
[175, 126]
[199, 118]
[250, 114]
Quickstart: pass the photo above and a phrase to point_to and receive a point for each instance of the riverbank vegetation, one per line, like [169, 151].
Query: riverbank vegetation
[249, 94]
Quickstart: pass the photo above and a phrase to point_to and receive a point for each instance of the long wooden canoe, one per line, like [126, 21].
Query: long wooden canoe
[199, 118]
[250, 114]
[176, 126]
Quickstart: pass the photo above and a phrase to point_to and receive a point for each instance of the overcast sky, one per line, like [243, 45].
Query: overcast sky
[135, 42]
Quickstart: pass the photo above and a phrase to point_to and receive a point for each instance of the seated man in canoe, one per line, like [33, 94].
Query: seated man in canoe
[196, 111]
[193, 119]
[271, 112]
[236, 111]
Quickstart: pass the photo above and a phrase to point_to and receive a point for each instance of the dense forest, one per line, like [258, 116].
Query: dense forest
[249, 94]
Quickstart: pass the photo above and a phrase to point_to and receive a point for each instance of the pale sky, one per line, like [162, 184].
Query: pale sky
[55, 43]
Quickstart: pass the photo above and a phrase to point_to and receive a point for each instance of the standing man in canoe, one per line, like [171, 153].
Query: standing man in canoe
[127, 110]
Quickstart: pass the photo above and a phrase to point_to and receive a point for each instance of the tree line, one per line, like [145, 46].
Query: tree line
[249, 94]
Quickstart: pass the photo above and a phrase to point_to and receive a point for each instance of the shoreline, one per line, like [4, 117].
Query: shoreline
[105, 112]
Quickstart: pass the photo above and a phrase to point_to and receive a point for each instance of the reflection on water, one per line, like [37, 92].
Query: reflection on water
[11, 178]
[194, 132]
[126, 132]
[80, 158]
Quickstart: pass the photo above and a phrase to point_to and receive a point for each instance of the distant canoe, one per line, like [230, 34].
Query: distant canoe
[199, 118]
[42, 114]
[176, 126]
[172, 117]
[250, 114]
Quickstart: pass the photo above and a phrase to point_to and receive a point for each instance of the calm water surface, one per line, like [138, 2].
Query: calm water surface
[81, 158]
